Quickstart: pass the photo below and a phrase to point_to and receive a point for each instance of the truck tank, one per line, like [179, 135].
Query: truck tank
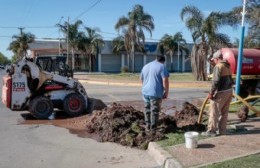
[250, 73]
[250, 63]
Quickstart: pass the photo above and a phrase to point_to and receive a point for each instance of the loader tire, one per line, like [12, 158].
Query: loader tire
[74, 104]
[41, 107]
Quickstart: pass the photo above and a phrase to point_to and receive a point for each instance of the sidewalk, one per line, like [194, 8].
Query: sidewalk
[215, 149]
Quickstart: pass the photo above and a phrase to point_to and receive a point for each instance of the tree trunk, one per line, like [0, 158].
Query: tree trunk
[90, 62]
[198, 62]
[171, 55]
[72, 59]
[133, 56]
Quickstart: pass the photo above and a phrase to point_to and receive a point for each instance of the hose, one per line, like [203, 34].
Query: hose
[244, 101]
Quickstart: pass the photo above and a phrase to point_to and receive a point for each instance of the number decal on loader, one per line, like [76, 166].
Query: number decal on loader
[18, 86]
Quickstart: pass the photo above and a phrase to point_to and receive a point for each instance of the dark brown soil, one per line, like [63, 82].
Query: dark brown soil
[243, 113]
[124, 124]
[186, 119]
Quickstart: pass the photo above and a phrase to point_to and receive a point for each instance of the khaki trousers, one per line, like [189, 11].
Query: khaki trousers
[218, 114]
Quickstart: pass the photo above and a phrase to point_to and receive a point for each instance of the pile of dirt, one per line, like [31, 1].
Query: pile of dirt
[125, 125]
[186, 119]
[122, 124]
[243, 113]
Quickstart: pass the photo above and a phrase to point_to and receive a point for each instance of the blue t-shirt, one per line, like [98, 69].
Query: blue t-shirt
[152, 76]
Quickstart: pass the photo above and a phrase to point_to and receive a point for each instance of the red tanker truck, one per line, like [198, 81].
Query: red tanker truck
[250, 73]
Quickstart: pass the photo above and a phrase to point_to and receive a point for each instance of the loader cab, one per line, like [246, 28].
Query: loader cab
[54, 64]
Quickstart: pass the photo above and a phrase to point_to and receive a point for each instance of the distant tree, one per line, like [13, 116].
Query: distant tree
[21, 44]
[248, 43]
[89, 43]
[3, 59]
[14, 58]
[205, 37]
[252, 18]
[169, 44]
[118, 45]
[134, 25]
[71, 32]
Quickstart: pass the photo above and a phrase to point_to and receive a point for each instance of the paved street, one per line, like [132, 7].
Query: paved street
[110, 93]
[46, 146]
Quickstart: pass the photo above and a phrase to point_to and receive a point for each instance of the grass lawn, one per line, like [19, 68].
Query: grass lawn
[174, 139]
[251, 161]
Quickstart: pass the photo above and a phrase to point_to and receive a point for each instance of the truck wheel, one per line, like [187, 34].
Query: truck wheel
[74, 104]
[41, 107]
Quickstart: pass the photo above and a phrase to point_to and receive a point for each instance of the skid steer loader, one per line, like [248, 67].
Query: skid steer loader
[41, 86]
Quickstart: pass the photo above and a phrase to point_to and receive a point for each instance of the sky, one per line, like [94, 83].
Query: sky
[39, 17]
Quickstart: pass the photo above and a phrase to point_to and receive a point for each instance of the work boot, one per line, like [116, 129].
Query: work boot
[209, 134]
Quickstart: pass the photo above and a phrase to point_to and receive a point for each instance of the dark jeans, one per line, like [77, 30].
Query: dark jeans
[152, 107]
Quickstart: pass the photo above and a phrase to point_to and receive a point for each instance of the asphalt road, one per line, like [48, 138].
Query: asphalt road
[110, 93]
[47, 146]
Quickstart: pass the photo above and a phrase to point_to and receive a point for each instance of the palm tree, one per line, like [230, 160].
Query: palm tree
[118, 45]
[96, 41]
[169, 44]
[249, 42]
[21, 44]
[252, 18]
[134, 25]
[205, 37]
[71, 32]
[90, 44]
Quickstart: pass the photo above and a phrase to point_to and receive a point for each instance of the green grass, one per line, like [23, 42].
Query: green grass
[135, 76]
[233, 108]
[251, 161]
[174, 139]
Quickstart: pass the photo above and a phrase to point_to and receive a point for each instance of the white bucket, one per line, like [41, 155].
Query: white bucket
[191, 139]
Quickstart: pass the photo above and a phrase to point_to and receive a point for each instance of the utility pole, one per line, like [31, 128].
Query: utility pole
[178, 57]
[21, 53]
[21, 30]
[68, 41]
[240, 54]
[59, 38]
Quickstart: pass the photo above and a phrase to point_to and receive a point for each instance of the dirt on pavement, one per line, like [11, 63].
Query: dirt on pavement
[123, 124]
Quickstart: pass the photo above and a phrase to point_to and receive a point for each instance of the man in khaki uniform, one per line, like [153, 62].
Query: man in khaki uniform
[220, 96]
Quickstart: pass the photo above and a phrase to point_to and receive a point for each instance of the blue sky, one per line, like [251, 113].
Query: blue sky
[39, 17]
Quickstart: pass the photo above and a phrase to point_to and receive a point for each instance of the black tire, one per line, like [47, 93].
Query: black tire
[41, 107]
[74, 104]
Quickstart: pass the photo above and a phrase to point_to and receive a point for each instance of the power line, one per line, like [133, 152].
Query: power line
[92, 6]
[28, 27]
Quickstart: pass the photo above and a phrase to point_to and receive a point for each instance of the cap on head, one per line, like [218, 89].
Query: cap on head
[217, 54]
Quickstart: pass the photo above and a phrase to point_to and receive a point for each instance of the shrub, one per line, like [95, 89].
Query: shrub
[124, 69]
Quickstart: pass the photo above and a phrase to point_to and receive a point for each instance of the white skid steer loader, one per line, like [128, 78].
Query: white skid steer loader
[28, 86]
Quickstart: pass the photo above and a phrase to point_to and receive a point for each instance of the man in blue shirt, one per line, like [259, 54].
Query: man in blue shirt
[155, 80]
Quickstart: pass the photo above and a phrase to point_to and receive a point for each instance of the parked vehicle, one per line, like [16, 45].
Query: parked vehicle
[250, 72]
[38, 90]
[2, 66]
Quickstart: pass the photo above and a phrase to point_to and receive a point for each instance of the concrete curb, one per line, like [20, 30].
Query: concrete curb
[114, 83]
[110, 83]
[162, 157]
